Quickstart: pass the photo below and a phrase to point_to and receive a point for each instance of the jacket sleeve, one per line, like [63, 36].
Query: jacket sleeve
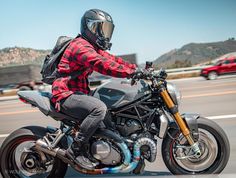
[117, 59]
[104, 64]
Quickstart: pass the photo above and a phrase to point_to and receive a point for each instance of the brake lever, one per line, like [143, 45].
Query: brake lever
[162, 74]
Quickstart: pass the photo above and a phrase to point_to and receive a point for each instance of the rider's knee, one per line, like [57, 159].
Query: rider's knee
[101, 111]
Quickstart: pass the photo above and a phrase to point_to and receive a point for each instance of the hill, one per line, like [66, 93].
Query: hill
[188, 55]
[19, 56]
[195, 53]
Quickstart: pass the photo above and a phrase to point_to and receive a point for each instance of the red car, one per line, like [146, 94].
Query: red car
[221, 67]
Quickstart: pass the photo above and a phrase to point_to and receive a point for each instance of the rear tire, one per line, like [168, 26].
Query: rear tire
[8, 163]
[218, 162]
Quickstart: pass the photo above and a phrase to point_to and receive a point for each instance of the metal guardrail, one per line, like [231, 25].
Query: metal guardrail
[4, 95]
[186, 69]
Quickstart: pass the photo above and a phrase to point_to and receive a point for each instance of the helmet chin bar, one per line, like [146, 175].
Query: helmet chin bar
[103, 43]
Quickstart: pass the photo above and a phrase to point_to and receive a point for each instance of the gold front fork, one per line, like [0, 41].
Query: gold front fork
[182, 125]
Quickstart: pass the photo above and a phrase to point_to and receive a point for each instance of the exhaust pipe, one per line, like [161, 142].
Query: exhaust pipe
[126, 166]
[136, 153]
[43, 146]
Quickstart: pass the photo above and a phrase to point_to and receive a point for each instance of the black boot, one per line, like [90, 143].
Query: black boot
[78, 153]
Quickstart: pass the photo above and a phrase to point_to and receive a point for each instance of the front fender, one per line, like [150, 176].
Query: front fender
[191, 121]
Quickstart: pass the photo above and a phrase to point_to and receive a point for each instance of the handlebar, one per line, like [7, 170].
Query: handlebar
[149, 74]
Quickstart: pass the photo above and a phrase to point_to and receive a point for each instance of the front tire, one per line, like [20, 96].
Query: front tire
[212, 75]
[214, 145]
[19, 161]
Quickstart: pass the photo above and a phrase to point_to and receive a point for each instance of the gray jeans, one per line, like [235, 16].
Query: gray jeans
[89, 110]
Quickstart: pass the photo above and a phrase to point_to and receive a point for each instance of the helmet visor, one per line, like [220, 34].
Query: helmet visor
[102, 28]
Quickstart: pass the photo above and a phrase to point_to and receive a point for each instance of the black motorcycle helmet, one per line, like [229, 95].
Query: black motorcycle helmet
[97, 27]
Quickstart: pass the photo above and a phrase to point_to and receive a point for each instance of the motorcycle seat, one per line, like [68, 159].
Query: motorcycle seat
[42, 100]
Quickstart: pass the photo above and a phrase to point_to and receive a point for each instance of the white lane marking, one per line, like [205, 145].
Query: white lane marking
[4, 135]
[231, 116]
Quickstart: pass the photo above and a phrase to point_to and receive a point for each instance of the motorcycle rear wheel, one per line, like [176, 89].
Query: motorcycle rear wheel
[19, 161]
[214, 145]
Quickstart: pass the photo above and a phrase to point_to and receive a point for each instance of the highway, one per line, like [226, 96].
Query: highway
[213, 99]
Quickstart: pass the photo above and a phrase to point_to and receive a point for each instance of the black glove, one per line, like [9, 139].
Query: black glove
[138, 74]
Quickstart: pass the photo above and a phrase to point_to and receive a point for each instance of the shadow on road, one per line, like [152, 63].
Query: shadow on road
[71, 173]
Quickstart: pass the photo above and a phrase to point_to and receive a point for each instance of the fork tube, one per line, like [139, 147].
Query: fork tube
[174, 110]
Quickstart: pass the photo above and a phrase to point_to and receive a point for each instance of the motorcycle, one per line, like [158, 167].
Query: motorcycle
[138, 115]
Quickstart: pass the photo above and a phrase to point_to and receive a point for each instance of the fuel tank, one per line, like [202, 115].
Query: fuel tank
[119, 92]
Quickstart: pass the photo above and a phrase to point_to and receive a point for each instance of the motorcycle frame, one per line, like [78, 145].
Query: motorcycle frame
[163, 109]
[166, 119]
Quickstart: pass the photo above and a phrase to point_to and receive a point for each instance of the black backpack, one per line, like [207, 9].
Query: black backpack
[49, 68]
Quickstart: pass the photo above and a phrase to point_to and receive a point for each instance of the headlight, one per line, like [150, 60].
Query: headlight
[174, 93]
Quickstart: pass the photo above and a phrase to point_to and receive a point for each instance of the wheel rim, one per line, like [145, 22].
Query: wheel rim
[212, 75]
[209, 148]
[23, 162]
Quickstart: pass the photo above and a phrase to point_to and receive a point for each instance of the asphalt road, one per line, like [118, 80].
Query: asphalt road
[214, 99]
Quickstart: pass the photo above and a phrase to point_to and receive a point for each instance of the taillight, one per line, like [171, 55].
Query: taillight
[23, 100]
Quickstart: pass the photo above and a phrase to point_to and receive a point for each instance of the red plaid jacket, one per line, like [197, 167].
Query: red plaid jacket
[81, 56]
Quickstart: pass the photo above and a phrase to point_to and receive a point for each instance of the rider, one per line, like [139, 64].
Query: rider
[87, 53]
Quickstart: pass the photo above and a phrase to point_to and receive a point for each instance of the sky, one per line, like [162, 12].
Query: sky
[148, 28]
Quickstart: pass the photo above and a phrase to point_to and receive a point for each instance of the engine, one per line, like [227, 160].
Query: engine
[127, 127]
[105, 152]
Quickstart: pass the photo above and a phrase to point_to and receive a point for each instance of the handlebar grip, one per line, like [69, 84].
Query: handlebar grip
[132, 82]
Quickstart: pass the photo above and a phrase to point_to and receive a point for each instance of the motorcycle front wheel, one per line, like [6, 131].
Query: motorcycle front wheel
[19, 159]
[214, 146]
